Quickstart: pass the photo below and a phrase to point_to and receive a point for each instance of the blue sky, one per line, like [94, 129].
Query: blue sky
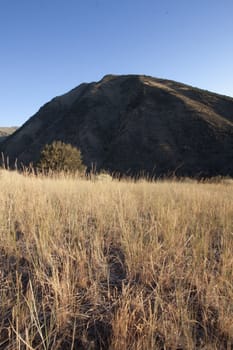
[47, 47]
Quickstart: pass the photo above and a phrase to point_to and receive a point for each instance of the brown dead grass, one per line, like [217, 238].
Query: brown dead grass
[115, 265]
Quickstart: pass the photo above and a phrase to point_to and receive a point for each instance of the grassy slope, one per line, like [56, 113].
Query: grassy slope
[115, 265]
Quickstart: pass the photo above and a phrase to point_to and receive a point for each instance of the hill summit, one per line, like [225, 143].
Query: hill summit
[133, 124]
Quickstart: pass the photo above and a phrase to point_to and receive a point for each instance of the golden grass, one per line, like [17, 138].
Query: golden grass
[115, 265]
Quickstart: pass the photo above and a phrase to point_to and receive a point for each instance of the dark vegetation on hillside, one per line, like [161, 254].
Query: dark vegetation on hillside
[135, 125]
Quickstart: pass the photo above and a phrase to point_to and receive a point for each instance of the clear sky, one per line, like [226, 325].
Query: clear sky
[47, 47]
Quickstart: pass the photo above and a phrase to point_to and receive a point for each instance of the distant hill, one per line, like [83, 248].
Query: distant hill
[132, 124]
[6, 131]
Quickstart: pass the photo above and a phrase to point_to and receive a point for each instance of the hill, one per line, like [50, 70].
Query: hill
[6, 131]
[132, 124]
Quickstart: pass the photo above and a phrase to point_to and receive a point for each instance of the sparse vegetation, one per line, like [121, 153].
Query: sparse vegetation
[59, 156]
[115, 265]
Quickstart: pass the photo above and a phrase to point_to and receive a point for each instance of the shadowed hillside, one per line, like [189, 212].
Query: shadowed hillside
[133, 124]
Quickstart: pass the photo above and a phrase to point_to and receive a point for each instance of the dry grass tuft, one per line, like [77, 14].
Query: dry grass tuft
[115, 265]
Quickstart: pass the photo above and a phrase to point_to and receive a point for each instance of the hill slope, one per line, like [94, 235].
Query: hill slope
[129, 124]
[6, 131]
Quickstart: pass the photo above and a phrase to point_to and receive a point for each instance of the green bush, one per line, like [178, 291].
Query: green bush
[59, 157]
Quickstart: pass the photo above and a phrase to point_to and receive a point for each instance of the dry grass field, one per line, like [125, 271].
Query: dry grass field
[115, 264]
